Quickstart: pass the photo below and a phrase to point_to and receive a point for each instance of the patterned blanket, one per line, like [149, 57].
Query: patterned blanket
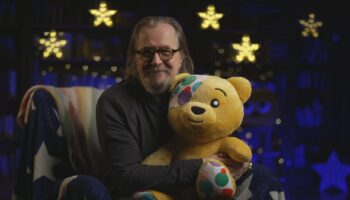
[76, 110]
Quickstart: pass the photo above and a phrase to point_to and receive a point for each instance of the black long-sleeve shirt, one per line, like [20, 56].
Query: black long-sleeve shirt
[133, 124]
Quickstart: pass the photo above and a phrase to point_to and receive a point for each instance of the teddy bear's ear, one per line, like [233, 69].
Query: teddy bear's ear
[178, 78]
[243, 87]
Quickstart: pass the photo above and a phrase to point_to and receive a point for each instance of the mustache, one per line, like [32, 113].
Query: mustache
[155, 69]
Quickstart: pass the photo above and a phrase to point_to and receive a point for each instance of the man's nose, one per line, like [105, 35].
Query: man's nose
[156, 59]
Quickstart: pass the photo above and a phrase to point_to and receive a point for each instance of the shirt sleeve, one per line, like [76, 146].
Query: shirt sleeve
[127, 175]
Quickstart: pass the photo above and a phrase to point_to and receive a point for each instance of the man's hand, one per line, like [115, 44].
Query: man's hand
[236, 168]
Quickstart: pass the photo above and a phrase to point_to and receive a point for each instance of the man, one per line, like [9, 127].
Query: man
[132, 116]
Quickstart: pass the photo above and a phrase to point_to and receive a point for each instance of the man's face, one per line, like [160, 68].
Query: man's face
[156, 74]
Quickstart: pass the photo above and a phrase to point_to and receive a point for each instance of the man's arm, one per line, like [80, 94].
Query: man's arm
[127, 173]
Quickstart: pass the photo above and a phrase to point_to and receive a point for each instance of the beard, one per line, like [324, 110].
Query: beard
[156, 80]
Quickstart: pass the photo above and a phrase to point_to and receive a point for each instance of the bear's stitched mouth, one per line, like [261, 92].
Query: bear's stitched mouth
[194, 121]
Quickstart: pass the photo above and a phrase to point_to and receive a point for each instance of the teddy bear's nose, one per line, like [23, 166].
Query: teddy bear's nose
[197, 110]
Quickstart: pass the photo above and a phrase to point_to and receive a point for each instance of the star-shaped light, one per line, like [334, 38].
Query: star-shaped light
[310, 26]
[103, 15]
[245, 50]
[210, 18]
[52, 44]
[333, 173]
[44, 163]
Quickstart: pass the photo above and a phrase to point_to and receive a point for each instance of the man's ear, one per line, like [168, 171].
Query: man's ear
[178, 78]
[243, 87]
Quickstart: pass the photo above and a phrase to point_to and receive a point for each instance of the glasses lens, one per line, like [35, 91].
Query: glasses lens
[147, 53]
[165, 54]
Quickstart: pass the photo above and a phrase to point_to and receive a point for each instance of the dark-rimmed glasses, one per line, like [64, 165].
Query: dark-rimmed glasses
[165, 54]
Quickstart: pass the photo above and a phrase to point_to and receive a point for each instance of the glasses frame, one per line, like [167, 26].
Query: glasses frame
[158, 51]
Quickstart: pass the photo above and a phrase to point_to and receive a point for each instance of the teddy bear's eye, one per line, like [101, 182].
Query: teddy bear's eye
[214, 103]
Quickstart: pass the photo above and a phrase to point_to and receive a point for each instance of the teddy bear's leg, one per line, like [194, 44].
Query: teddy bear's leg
[151, 195]
[214, 181]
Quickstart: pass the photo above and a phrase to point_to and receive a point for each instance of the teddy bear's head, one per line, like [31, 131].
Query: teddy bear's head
[203, 108]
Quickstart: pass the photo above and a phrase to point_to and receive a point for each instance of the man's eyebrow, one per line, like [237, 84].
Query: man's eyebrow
[221, 91]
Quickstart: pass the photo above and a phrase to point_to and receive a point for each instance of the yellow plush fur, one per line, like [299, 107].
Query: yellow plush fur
[199, 135]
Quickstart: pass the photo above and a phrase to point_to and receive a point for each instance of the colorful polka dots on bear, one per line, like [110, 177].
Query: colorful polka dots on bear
[183, 92]
[214, 181]
[221, 179]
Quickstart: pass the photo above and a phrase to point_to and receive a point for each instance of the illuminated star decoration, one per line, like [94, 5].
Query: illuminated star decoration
[333, 173]
[52, 45]
[210, 18]
[103, 15]
[245, 50]
[310, 26]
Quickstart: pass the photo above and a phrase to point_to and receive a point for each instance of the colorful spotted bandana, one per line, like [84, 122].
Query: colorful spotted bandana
[183, 91]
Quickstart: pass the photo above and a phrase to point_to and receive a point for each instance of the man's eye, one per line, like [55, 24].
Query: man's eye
[165, 51]
[147, 52]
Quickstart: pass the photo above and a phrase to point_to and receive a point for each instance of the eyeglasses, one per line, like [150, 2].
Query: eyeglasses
[165, 54]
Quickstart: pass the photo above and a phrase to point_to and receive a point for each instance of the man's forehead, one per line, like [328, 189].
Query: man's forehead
[160, 35]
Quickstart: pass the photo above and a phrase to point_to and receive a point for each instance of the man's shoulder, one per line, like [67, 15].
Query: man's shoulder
[122, 91]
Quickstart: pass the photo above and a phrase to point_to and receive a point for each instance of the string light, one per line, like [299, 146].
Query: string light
[210, 18]
[103, 15]
[114, 68]
[52, 44]
[217, 63]
[43, 72]
[85, 67]
[94, 74]
[278, 121]
[217, 72]
[280, 161]
[221, 51]
[50, 68]
[118, 79]
[310, 26]
[67, 66]
[245, 50]
[96, 58]
[248, 135]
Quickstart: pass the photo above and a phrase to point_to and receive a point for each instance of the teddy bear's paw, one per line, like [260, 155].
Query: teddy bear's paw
[214, 181]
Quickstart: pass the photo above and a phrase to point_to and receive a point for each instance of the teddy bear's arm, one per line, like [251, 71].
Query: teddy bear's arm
[236, 149]
[162, 156]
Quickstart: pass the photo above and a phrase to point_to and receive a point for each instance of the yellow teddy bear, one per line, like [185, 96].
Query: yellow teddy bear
[204, 111]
